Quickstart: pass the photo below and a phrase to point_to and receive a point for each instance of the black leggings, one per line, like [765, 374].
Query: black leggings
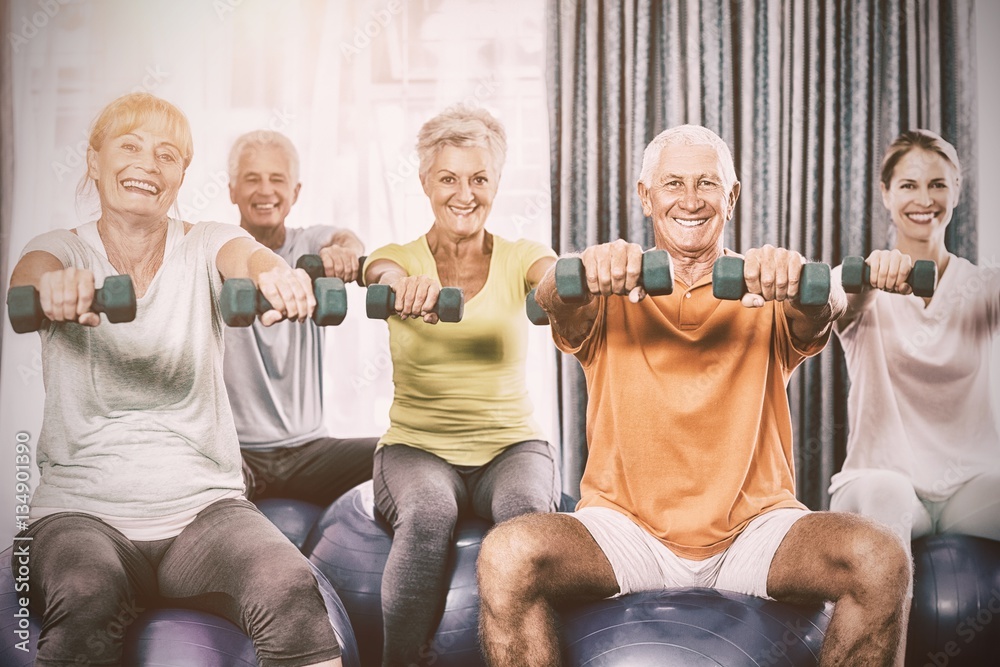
[89, 582]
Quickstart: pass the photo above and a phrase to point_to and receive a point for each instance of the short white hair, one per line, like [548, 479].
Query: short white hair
[261, 138]
[688, 135]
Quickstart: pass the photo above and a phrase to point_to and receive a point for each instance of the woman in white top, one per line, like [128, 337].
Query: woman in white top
[923, 454]
[140, 490]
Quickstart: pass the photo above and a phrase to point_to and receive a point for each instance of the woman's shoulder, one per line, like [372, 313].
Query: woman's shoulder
[56, 240]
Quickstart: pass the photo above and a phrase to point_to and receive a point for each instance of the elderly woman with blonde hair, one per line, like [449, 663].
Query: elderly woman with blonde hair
[462, 438]
[140, 496]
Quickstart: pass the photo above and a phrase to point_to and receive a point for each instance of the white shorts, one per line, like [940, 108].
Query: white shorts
[642, 563]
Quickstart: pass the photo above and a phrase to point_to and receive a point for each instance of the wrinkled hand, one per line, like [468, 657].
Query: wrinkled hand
[67, 295]
[890, 269]
[290, 293]
[614, 268]
[339, 262]
[416, 296]
[771, 274]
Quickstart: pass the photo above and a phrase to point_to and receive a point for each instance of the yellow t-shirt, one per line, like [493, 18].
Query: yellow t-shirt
[459, 387]
[688, 426]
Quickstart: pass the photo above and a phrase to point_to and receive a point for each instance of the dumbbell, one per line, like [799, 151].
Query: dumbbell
[729, 284]
[656, 277]
[116, 299]
[855, 273]
[380, 303]
[534, 312]
[241, 301]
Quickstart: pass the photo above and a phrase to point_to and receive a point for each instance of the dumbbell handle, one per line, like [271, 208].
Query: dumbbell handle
[331, 302]
[729, 283]
[655, 276]
[24, 305]
[380, 302]
[856, 272]
[313, 265]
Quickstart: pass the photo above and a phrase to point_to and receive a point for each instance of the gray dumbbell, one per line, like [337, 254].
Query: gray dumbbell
[855, 273]
[534, 312]
[241, 302]
[116, 299]
[729, 284]
[656, 277]
[380, 303]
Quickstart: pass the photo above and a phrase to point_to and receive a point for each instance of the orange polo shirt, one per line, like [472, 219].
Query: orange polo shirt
[688, 427]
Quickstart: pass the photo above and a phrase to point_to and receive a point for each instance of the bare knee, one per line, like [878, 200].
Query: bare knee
[876, 562]
[513, 558]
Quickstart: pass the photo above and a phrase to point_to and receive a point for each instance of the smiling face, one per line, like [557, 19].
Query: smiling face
[921, 195]
[263, 190]
[688, 200]
[137, 173]
[461, 184]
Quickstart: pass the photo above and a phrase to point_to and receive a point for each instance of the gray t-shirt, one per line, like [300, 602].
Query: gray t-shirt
[137, 423]
[275, 374]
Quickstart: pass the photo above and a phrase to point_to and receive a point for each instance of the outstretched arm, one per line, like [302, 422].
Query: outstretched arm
[610, 268]
[66, 293]
[288, 290]
[341, 255]
[773, 274]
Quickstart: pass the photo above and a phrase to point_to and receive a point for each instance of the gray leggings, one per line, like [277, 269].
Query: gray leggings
[86, 577]
[422, 496]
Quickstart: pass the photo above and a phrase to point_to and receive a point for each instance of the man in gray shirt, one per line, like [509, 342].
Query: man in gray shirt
[274, 375]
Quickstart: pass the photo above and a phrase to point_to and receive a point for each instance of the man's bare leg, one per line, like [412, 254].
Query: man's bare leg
[525, 564]
[860, 565]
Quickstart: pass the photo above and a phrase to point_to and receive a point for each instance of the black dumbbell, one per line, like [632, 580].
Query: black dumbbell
[656, 277]
[855, 273]
[534, 312]
[116, 299]
[241, 301]
[380, 303]
[729, 284]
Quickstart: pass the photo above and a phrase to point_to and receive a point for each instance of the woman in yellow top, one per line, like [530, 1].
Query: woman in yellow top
[461, 434]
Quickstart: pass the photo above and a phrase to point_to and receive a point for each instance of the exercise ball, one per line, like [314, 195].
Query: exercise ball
[294, 518]
[350, 545]
[955, 617]
[164, 637]
[692, 627]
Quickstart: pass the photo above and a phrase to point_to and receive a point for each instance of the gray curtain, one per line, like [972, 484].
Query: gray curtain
[807, 93]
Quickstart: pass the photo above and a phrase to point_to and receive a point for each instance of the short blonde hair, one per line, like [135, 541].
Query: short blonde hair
[464, 126]
[136, 110]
